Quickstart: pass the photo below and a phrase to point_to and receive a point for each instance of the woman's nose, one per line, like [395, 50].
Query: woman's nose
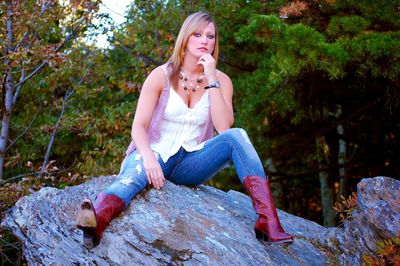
[204, 39]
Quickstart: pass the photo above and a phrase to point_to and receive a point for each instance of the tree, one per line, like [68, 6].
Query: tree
[304, 71]
[37, 33]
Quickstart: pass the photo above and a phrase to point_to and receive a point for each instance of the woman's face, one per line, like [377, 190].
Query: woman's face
[201, 41]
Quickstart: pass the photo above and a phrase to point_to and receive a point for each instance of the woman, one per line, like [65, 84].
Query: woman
[180, 104]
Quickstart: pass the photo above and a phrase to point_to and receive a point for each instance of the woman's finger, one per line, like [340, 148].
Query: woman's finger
[148, 176]
[200, 62]
[160, 179]
[155, 180]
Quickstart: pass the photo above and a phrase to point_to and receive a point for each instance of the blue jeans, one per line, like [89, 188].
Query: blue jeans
[192, 168]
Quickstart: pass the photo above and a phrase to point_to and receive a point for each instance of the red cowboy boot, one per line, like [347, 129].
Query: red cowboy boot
[267, 226]
[93, 218]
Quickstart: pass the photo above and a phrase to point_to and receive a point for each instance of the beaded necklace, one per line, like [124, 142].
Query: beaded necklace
[189, 84]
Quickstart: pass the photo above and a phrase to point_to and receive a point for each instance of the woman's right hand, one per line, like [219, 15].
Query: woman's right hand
[148, 99]
[154, 173]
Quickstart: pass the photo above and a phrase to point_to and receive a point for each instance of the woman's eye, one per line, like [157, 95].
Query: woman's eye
[210, 37]
[196, 34]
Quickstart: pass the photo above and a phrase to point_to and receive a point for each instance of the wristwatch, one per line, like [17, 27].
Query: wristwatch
[214, 84]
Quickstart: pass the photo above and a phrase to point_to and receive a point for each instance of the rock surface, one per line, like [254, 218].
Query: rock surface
[377, 217]
[194, 226]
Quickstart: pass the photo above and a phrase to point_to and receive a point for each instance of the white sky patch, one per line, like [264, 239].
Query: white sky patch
[117, 11]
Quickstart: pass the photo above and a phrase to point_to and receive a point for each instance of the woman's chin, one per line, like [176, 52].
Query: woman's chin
[203, 52]
[197, 54]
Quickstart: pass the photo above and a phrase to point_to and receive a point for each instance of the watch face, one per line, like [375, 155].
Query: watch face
[213, 85]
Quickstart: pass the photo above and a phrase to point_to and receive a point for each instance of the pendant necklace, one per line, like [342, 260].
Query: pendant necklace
[190, 84]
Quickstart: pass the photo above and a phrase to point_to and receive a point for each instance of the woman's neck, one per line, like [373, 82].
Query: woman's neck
[191, 67]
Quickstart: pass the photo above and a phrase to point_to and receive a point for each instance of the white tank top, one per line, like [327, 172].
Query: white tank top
[181, 126]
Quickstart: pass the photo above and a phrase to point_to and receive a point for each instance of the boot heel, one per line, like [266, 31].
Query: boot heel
[261, 235]
[88, 241]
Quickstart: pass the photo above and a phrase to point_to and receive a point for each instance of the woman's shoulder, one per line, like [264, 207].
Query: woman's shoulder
[156, 80]
[158, 75]
[223, 77]
[159, 71]
[163, 68]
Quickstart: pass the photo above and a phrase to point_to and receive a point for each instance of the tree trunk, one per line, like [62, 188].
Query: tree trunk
[276, 185]
[325, 183]
[8, 97]
[341, 154]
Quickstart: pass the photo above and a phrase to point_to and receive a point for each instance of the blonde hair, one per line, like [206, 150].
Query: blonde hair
[192, 23]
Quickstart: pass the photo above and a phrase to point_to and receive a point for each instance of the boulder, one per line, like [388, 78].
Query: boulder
[179, 225]
[376, 217]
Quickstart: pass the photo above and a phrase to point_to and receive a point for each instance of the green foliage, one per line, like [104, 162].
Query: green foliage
[95, 128]
[376, 54]
[302, 71]
[383, 14]
[347, 26]
[259, 29]
[292, 53]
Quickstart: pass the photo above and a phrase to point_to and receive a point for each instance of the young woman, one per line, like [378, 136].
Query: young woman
[180, 105]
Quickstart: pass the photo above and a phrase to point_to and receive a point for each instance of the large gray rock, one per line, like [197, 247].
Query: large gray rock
[377, 217]
[177, 225]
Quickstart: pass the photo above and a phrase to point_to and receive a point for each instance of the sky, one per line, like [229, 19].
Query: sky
[116, 10]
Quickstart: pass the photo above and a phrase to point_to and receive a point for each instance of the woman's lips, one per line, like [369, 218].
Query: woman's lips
[203, 49]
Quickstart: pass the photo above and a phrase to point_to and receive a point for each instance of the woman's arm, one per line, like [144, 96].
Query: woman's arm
[221, 104]
[220, 98]
[148, 99]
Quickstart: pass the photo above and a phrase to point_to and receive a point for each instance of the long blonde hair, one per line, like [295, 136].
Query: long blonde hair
[192, 23]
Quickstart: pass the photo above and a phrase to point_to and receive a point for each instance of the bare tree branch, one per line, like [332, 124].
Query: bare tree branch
[20, 86]
[57, 126]
[20, 41]
[35, 173]
[16, 177]
[53, 135]
[44, 63]
[148, 60]
[44, 8]
[33, 38]
[157, 38]
[145, 58]
[34, 72]
[24, 131]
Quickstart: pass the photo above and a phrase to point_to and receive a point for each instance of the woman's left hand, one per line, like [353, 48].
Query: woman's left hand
[208, 63]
